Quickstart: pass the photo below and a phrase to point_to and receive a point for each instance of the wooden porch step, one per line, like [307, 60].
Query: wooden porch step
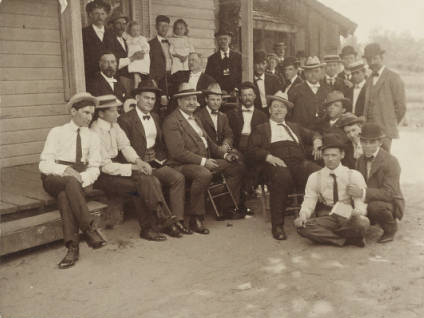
[37, 230]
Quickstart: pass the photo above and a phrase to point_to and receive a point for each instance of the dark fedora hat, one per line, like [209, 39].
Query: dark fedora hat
[259, 57]
[336, 96]
[223, 32]
[333, 141]
[290, 61]
[348, 50]
[147, 85]
[348, 119]
[97, 4]
[373, 49]
[372, 131]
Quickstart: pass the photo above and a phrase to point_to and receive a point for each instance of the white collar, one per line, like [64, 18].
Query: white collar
[380, 71]
[333, 121]
[328, 77]
[197, 74]
[141, 114]
[109, 79]
[360, 84]
[274, 123]
[185, 115]
[246, 108]
[74, 126]
[160, 38]
[293, 79]
[223, 52]
[103, 124]
[97, 29]
[260, 77]
[336, 171]
[313, 85]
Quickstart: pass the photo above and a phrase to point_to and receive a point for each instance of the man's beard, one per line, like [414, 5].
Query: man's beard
[109, 72]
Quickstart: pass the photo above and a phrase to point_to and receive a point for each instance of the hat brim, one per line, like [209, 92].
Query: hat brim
[334, 145]
[185, 94]
[105, 106]
[373, 138]
[208, 92]
[271, 98]
[137, 91]
[92, 99]
[311, 67]
[344, 100]
[359, 120]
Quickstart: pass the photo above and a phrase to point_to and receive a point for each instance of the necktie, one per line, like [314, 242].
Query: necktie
[165, 41]
[214, 112]
[78, 149]
[335, 188]
[146, 117]
[288, 131]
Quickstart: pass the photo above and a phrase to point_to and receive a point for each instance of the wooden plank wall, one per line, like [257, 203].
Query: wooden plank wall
[199, 15]
[31, 78]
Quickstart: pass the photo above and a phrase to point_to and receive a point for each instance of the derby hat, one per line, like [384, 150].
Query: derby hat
[312, 62]
[333, 140]
[290, 61]
[223, 32]
[147, 85]
[372, 131]
[259, 57]
[332, 58]
[348, 50]
[356, 66]
[373, 49]
[107, 101]
[162, 18]
[335, 96]
[281, 97]
[186, 90]
[97, 4]
[83, 99]
[348, 119]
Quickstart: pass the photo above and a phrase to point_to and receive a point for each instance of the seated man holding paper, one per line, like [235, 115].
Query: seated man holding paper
[336, 222]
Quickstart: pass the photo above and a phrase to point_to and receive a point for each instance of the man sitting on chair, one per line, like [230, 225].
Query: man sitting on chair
[337, 222]
[279, 147]
[191, 152]
[69, 166]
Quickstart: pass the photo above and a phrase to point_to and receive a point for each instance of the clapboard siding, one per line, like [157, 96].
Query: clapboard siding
[31, 78]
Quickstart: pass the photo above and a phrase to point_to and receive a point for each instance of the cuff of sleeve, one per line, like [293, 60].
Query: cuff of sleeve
[85, 179]
[203, 162]
[59, 169]
[127, 170]
[124, 62]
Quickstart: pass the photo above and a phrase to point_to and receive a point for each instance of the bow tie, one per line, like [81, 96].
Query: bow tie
[146, 117]
[165, 41]
[258, 78]
[314, 85]
[214, 112]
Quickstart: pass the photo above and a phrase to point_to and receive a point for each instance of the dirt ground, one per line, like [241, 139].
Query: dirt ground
[238, 270]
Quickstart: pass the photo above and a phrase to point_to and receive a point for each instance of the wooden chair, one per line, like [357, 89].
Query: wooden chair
[220, 195]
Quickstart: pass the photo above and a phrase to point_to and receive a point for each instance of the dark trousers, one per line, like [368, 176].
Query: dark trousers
[201, 177]
[282, 181]
[72, 205]
[381, 213]
[334, 229]
[146, 193]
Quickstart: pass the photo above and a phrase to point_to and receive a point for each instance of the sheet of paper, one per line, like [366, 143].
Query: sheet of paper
[342, 209]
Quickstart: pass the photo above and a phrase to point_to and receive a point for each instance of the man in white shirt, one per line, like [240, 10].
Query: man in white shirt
[336, 222]
[69, 165]
[130, 178]
[196, 156]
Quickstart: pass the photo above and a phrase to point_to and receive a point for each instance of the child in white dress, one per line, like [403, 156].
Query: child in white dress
[137, 42]
[180, 46]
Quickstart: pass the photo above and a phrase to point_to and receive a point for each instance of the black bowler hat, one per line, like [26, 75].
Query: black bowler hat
[373, 49]
[348, 119]
[97, 4]
[259, 57]
[372, 131]
[146, 85]
[333, 141]
[348, 50]
[290, 61]
[162, 18]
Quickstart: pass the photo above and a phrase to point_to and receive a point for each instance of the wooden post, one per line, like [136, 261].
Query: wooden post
[247, 39]
[72, 50]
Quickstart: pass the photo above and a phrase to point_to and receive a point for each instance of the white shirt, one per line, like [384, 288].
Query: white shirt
[61, 146]
[247, 119]
[194, 78]
[149, 126]
[279, 133]
[330, 80]
[198, 130]
[320, 188]
[122, 42]
[356, 91]
[291, 84]
[113, 139]
[166, 52]
[100, 32]
[314, 87]
[214, 118]
[260, 82]
[225, 52]
[376, 78]
[332, 122]
[110, 80]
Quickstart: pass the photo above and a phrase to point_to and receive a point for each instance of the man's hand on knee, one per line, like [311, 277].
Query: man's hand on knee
[300, 221]
[275, 161]
[71, 172]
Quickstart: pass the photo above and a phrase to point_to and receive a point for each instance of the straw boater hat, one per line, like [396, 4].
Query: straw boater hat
[281, 97]
[215, 89]
[107, 101]
[186, 90]
[312, 62]
[336, 96]
[332, 58]
[348, 119]
[356, 66]
[83, 99]
[147, 85]
[372, 131]
[373, 49]
[348, 50]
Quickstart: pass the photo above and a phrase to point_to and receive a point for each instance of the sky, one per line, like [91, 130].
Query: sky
[392, 15]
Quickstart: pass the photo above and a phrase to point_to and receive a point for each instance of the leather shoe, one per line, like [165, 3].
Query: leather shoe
[245, 210]
[278, 233]
[70, 258]
[173, 231]
[94, 239]
[197, 226]
[182, 228]
[234, 214]
[152, 235]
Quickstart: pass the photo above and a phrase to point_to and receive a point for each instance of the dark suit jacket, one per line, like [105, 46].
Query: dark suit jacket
[235, 117]
[307, 105]
[184, 145]
[120, 53]
[296, 82]
[341, 75]
[214, 68]
[131, 124]
[158, 63]
[224, 133]
[260, 140]
[360, 102]
[272, 85]
[93, 48]
[339, 85]
[383, 183]
[385, 102]
[98, 86]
